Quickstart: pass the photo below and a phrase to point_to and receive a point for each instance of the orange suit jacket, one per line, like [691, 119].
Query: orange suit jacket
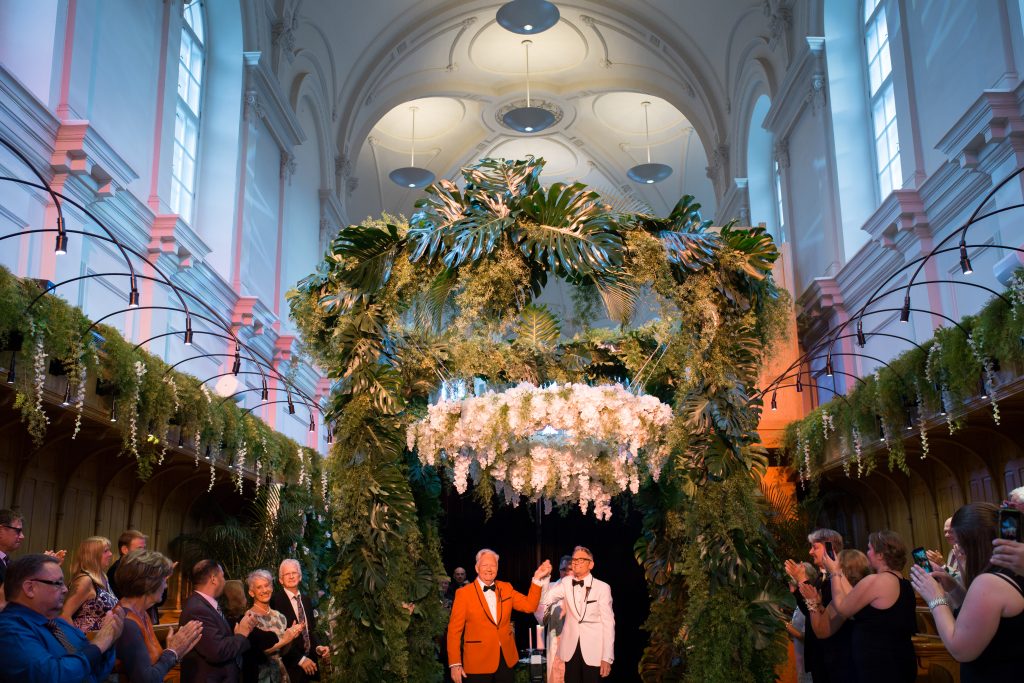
[474, 639]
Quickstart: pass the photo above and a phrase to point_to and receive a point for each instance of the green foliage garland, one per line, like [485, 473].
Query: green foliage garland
[893, 404]
[396, 309]
[150, 401]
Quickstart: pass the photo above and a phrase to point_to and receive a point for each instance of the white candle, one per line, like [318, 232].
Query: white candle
[540, 638]
[529, 634]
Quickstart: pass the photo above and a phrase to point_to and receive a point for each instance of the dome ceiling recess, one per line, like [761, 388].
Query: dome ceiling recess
[411, 176]
[591, 70]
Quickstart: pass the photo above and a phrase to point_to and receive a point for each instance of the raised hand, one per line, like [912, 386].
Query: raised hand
[110, 629]
[245, 625]
[544, 570]
[185, 638]
[935, 557]
[794, 571]
[292, 632]
[1008, 554]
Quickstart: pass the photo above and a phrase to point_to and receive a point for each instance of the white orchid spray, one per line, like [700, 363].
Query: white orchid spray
[572, 443]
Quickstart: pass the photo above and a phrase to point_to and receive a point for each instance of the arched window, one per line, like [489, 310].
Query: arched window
[779, 208]
[191, 59]
[881, 98]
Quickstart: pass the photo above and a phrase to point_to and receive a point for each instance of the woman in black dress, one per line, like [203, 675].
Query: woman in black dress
[881, 610]
[986, 635]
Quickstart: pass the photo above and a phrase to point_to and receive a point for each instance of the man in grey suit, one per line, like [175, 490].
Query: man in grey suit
[216, 656]
[587, 642]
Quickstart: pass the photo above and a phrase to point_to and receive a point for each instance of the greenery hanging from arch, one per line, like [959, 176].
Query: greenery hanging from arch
[397, 309]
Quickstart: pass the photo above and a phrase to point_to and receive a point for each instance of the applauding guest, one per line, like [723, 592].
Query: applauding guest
[38, 647]
[217, 655]
[142, 578]
[90, 596]
[881, 607]
[989, 628]
[270, 634]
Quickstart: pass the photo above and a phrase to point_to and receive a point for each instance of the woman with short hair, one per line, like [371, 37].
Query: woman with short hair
[271, 635]
[89, 596]
[142, 577]
[985, 634]
[881, 609]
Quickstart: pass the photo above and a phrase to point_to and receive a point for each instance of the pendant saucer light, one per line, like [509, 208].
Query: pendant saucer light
[411, 176]
[648, 173]
[528, 119]
[528, 17]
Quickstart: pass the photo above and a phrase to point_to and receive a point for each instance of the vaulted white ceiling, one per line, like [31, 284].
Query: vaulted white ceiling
[461, 70]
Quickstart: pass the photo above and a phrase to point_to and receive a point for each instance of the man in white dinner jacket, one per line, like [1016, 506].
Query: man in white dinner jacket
[588, 637]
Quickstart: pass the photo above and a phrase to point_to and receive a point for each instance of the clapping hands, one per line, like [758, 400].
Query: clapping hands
[292, 632]
[185, 638]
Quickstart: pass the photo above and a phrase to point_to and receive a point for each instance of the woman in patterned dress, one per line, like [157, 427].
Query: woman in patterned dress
[89, 596]
[271, 635]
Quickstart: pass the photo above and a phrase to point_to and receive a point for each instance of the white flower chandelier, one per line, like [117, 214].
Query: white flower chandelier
[561, 443]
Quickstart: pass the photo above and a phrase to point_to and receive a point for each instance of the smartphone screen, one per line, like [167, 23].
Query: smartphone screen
[921, 559]
[829, 550]
[1009, 524]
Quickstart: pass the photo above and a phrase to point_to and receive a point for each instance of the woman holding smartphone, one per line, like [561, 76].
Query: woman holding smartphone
[986, 634]
[881, 607]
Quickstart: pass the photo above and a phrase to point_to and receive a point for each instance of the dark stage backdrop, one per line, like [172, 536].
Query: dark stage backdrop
[523, 539]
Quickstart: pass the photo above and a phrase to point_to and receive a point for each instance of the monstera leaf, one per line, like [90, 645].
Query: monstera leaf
[689, 251]
[565, 228]
[475, 237]
[502, 177]
[756, 245]
[538, 328]
[369, 255]
[443, 207]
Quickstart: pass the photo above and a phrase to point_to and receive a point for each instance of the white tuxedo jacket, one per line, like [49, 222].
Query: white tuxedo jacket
[589, 619]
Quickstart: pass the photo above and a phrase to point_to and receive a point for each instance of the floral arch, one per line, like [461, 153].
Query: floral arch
[401, 313]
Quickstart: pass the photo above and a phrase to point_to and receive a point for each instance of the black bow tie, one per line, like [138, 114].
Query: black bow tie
[489, 588]
[577, 583]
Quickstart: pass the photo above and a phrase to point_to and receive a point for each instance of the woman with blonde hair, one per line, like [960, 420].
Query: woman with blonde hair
[854, 565]
[89, 596]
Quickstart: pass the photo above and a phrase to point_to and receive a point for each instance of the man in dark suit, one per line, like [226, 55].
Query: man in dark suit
[12, 533]
[217, 655]
[301, 659]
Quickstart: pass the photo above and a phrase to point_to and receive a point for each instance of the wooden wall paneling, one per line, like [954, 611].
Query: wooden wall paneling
[77, 497]
[970, 468]
[160, 488]
[867, 509]
[112, 511]
[998, 448]
[893, 491]
[925, 525]
[1013, 474]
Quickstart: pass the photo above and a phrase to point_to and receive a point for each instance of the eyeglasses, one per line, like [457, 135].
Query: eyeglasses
[19, 530]
[581, 560]
[59, 583]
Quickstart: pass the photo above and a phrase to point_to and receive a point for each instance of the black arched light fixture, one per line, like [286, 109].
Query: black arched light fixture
[411, 175]
[528, 17]
[528, 119]
[648, 173]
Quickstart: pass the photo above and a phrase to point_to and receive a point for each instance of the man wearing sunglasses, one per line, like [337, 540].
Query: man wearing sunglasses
[36, 645]
[587, 643]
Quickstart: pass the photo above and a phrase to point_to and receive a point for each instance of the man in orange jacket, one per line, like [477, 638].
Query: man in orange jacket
[481, 643]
